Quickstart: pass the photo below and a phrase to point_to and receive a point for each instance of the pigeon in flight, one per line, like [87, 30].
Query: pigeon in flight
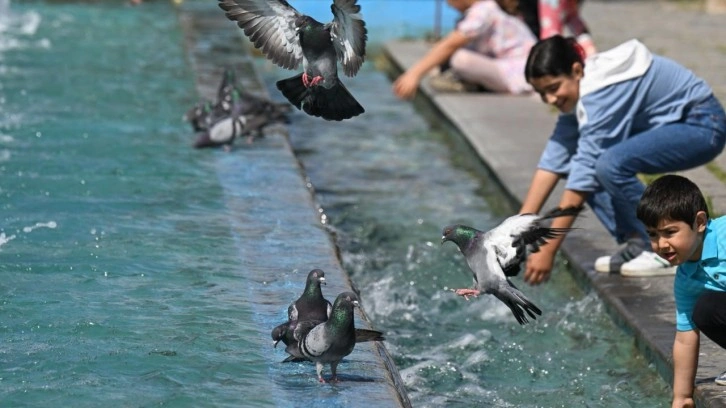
[496, 255]
[329, 342]
[288, 38]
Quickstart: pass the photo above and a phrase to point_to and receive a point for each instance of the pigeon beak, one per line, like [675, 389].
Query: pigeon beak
[322, 280]
[274, 344]
[443, 239]
[356, 304]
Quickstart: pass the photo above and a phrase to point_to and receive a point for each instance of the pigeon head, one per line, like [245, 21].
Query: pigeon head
[315, 278]
[279, 333]
[304, 22]
[343, 306]
[459, 234]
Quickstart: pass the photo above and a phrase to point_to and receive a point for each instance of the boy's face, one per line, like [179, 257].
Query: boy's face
[678, 242]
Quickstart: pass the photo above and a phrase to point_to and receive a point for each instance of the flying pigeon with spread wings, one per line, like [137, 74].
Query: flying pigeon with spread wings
[288, 38]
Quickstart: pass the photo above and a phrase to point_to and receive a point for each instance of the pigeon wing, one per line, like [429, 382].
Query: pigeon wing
[349, 35]
[270, 25]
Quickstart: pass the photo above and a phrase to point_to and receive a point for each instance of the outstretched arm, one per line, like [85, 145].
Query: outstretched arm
[685, 362]
[405, 86]
[539, 264]
[540, 188]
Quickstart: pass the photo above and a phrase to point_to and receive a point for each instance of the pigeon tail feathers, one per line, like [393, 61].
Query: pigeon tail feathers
[517, 302]
[334, 103]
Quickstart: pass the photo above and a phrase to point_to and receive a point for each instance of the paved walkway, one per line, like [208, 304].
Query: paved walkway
[509, 134]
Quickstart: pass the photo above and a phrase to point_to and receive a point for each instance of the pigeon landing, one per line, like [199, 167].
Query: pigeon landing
[329, 342]
[496, 255]
[289, 38]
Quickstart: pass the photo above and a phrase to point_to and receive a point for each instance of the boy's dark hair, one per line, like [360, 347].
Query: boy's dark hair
[671, 197]
[553, 56]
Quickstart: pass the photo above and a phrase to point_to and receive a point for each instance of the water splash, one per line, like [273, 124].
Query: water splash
[4, 239]
[49, 224]
[20, 23]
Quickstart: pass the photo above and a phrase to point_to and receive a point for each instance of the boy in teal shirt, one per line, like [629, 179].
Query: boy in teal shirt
[676, 218]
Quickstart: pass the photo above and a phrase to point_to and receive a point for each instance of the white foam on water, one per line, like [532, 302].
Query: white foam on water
[386, 297]
[411, 376]
[49, 224]
[4, 239]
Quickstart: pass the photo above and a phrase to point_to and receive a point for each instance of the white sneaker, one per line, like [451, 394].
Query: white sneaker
[612, 264]
[647, 264]
[721, 379]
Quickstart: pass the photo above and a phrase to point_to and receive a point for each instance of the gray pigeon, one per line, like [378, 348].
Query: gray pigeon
[285, 333]
[309, 310]
[329, 342]
[223, 128]
[311, 305]
[497, 254]
[235, 113]
[289, 38]
[198, 115]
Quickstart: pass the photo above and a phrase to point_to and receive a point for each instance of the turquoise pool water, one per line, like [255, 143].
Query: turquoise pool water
[120, 281]
[125, 284]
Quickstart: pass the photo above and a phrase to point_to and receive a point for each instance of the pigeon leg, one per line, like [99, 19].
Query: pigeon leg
[306, 80]
[316, 80]
[319, 370]
[334, 370]
[467, 292]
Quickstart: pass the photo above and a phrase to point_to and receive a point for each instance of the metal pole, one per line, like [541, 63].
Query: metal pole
[437, 19]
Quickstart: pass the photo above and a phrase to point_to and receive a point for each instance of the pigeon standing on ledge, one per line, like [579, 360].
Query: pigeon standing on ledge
[311, 305]
[290, 332]
[309, 310]
[288, 38]
[329, 342]
[496, 255]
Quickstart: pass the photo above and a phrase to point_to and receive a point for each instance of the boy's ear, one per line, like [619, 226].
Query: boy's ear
[701, 221]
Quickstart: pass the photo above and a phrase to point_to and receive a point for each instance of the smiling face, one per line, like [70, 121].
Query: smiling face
[678, 242]
[561, 91]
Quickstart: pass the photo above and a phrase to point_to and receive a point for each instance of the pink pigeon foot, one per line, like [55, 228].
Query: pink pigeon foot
[467, 292]
[308, 82]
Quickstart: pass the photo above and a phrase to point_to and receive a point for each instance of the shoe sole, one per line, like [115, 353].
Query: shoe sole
[605, 269]
[648, 273]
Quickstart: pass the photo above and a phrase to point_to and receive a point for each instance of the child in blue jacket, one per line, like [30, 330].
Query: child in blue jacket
[623, 111]
[676, 217]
